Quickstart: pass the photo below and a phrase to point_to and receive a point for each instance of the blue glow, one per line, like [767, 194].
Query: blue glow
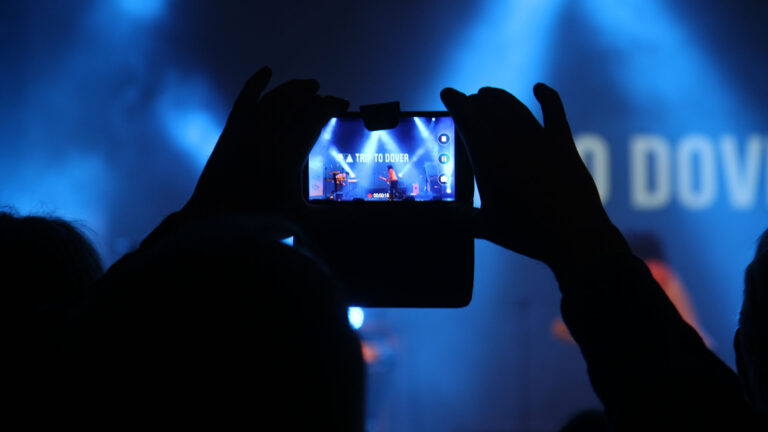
[196, 131]
[335, 153]
[191, 116]
[411, 149]
[143, 9]
[670, 70]
[389, 143]
[422, 128]
[327, 132]
[657, 75]
[356, 317]
[287, 240]
[372, 143]
[73, 186]
[508, 47]
[659, 84]
[413, 160]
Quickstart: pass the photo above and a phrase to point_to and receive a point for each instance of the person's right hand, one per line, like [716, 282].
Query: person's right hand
[258, 160]
[538, 198]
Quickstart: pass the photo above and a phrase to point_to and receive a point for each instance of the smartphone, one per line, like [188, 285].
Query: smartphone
[416, 160]
[381, 188]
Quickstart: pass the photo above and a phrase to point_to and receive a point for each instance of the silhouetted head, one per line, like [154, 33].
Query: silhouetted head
[389, 167]
[46, 266]
[44, 261]
[751, 339]
[220, 320]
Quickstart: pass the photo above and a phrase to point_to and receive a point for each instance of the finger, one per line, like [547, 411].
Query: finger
[317, 116]
[299, 136]
[309, 123]
[242, 113]
[457, 104]
[552, 108]
[464, 117]
[281, 104]
[469, 125]
[499, 104]
[297, 86]
[246, 101]
[335, 106]
[450, 96]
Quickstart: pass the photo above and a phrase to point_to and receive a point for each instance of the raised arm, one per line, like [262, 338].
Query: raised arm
[651, 370]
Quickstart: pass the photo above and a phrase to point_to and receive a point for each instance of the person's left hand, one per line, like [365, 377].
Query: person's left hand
[257, 163]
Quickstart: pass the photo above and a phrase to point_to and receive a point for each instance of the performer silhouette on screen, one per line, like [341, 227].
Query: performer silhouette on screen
[339, 181]
[392, 180]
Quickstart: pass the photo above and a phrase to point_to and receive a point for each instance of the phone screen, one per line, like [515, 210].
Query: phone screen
[412, 162]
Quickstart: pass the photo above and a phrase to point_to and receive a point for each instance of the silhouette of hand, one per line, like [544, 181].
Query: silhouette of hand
[538, 198]
[257, 163]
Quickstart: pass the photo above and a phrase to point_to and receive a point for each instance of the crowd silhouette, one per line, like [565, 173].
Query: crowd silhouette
[190, 328]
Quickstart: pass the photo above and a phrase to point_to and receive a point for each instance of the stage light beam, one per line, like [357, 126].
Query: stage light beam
[328, 130]
[389, 143]
[339, 158]
[194, 130]
[422, 127]
[412, 160]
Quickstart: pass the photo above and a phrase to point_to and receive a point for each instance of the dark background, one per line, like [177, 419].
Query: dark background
[109, 108]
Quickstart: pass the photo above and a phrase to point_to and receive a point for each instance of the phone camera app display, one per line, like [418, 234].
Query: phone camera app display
[412, 162]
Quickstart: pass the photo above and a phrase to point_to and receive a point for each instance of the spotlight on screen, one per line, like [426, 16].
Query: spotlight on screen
[356, 317]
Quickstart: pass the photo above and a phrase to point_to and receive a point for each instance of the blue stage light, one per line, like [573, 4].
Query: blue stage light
[389, 143]
[328, 130]
[287, 240]
[508, 47]
[672, 68]
[194, 130]
[412, 160]
[422, 127]
[144, 9]
[335, 153]
[356, 317]
[372, 143]
[191, 115]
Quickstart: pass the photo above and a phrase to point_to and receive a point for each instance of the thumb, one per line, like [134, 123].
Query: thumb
[310, 122]
[456, 103]
[467, 124]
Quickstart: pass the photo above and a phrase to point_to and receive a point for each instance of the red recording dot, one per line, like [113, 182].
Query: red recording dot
[370, 195]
